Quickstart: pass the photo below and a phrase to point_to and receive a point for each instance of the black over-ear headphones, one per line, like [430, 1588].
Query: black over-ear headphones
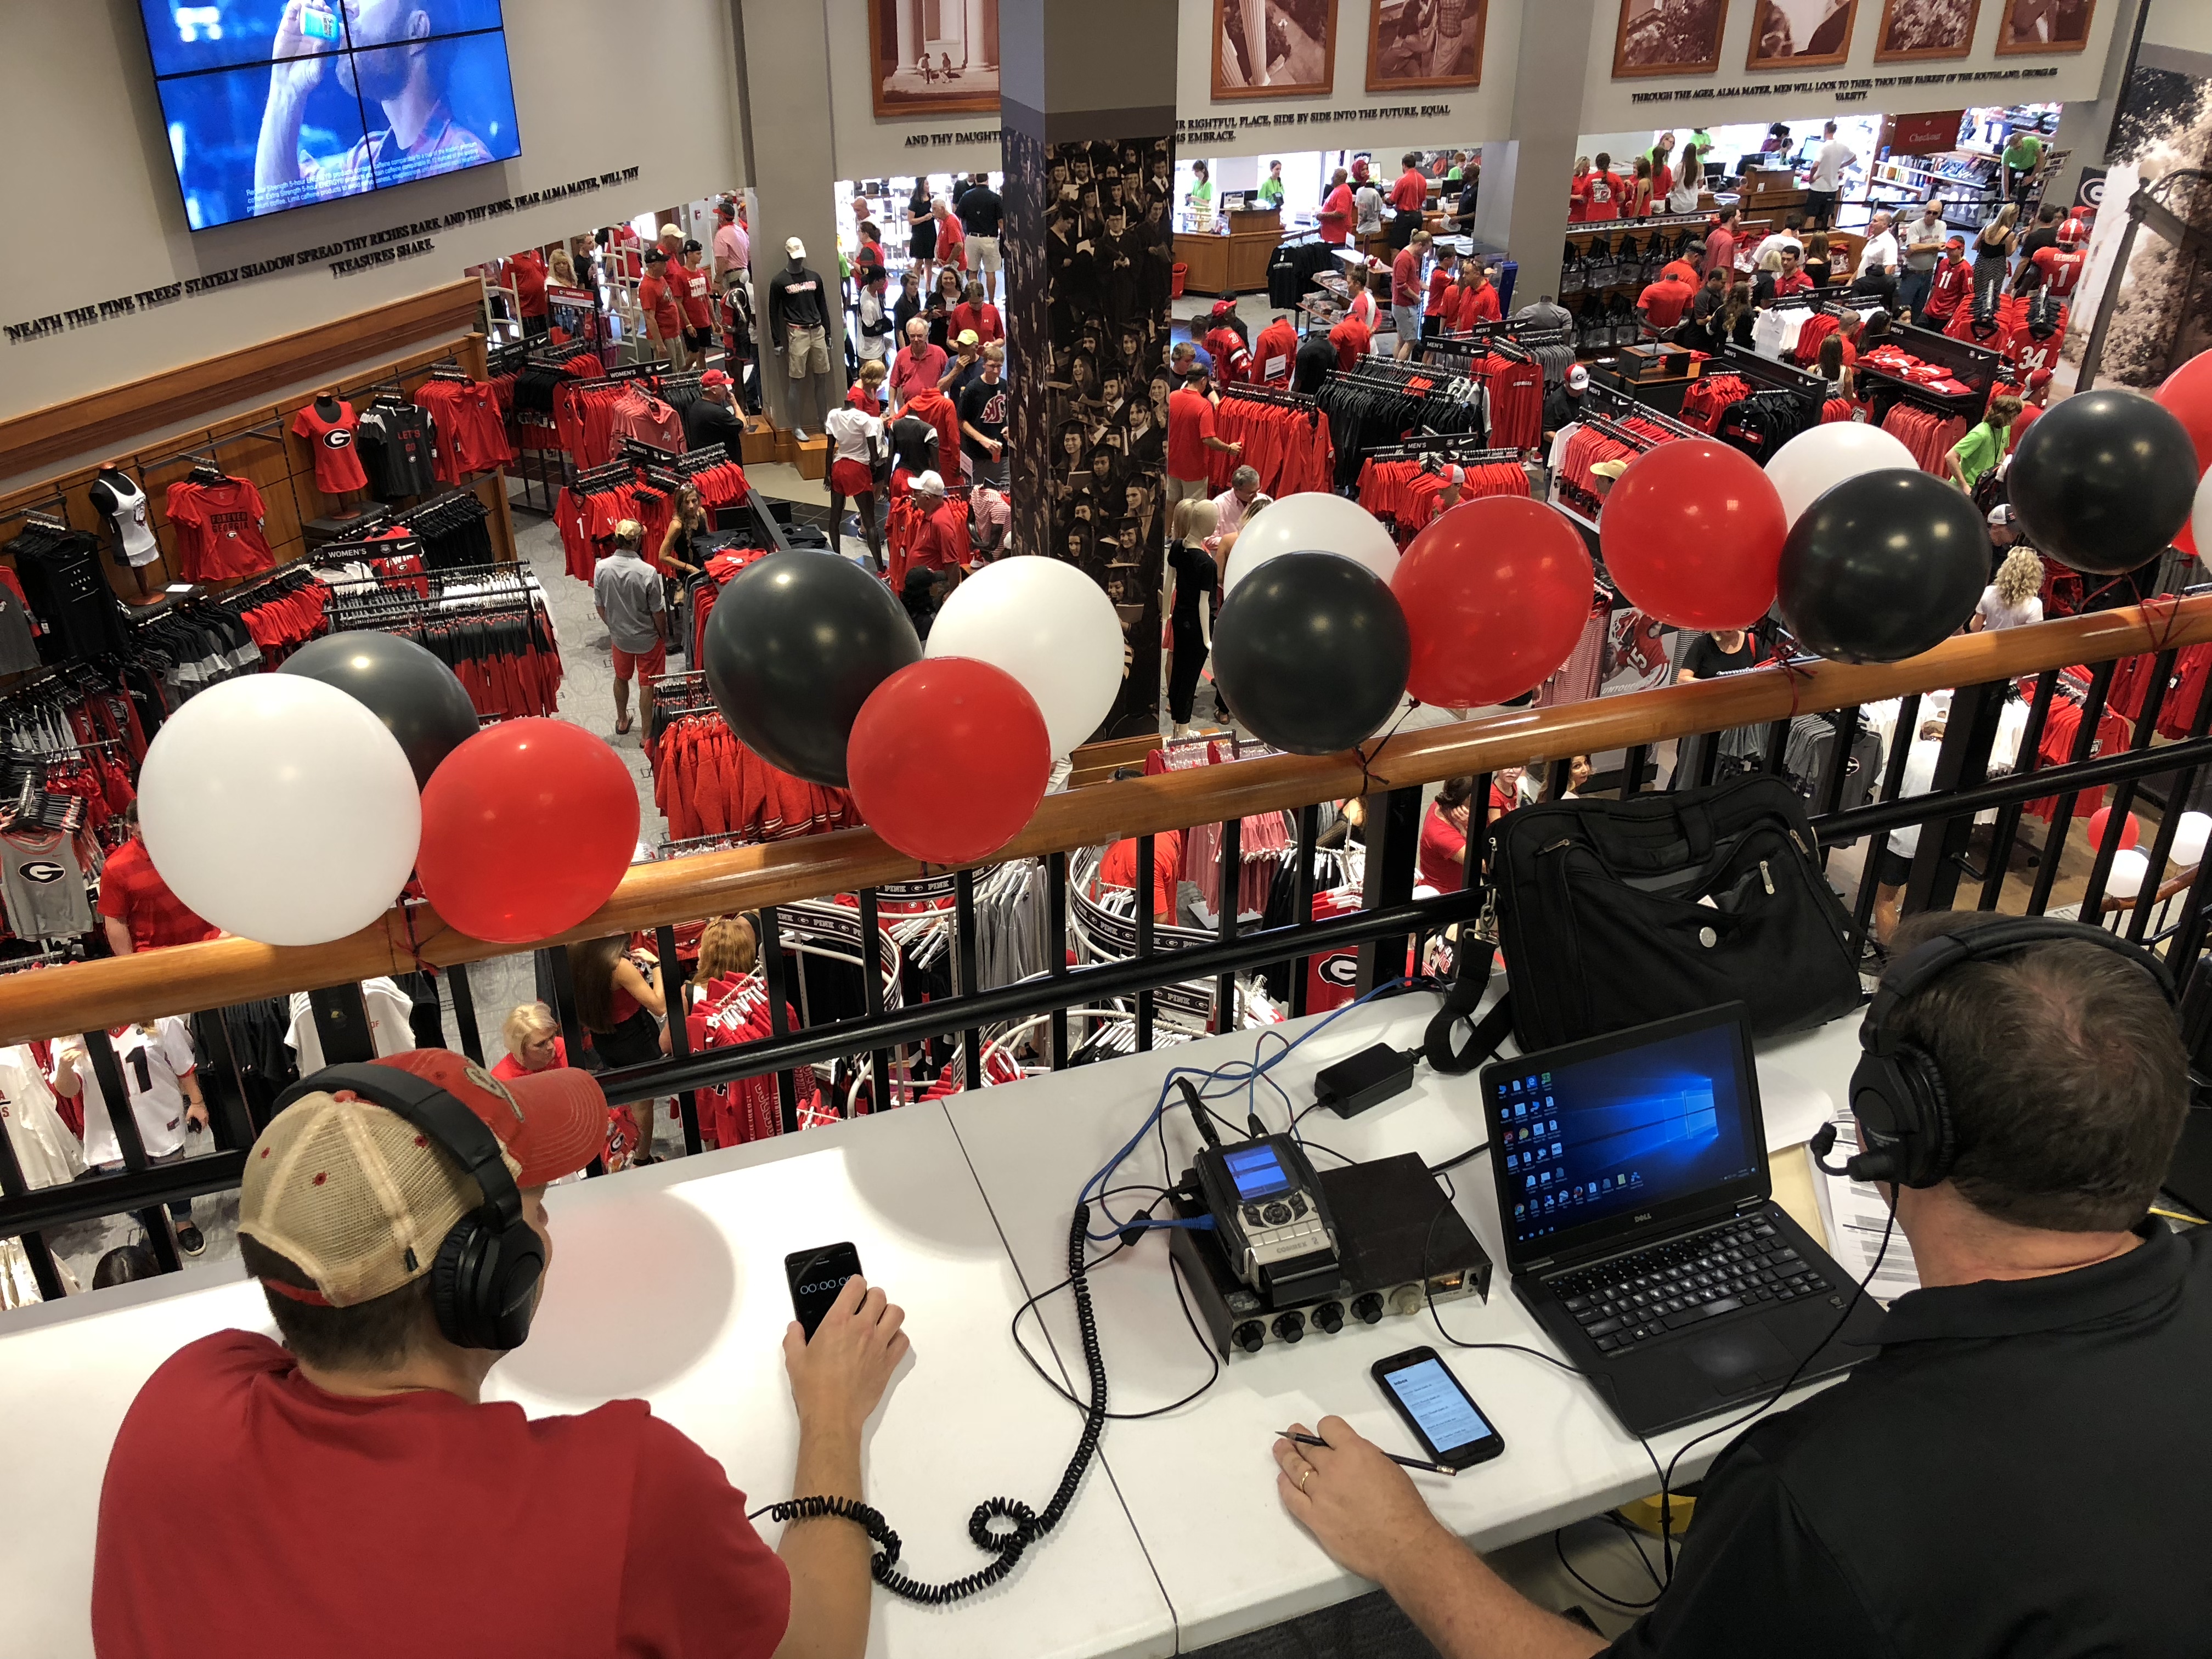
[484, 1283]
[1897, 1091]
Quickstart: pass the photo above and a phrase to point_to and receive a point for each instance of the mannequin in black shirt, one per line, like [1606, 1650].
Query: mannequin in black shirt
[798, 330]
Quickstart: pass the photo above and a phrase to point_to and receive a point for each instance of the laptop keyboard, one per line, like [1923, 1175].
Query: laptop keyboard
[1633, 1298]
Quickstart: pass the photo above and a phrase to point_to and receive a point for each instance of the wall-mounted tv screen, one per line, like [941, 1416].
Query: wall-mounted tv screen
[276, 104]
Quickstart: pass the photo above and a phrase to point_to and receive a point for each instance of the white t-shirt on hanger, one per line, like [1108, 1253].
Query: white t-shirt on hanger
[46, 1151]
[389, 1029]
[156, 1101]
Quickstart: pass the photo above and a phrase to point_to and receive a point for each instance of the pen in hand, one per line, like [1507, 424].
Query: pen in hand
[1421, 1464]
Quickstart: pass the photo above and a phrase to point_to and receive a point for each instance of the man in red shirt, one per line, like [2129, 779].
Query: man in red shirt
[1604, 189]
[1662, 305]
[1688, 267]
[1232, 363]
[952, 238]
[1437, 319]
[1338, 215]
[974, 313]
[694, 284]
[1478, 297]
[919, 366]
[1190, 435]
[1793, 279]
[1720, 247]
[1409, 196]
[656, 301]
[1273, 354]
[136, 909]
[941, 546]
[363, 1497]
[1352, 338]
[1954, 281]
[529, 268]
[1405, 289]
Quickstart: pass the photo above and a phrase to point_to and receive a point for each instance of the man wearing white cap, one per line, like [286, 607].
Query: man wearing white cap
[941, 545]
[358, 1493]
[1563, 403]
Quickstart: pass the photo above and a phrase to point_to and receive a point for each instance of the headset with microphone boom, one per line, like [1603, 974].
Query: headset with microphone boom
[1897, 1092]
[484, 1283]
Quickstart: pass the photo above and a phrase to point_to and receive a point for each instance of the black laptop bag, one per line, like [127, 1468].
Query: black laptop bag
[1612, 913]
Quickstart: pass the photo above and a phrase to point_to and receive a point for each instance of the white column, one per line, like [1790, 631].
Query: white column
[971, 35]
[908, 46]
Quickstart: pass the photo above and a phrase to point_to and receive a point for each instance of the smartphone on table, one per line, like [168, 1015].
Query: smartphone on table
[815, 1276]
[1442, 1414]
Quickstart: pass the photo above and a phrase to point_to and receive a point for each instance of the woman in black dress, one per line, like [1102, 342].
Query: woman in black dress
[922, 228]
[1197, 581]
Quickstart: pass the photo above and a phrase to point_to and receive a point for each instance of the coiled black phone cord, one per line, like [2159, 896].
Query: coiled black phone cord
[1023, 1526]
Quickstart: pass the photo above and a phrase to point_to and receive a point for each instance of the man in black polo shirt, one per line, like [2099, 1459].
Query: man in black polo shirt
[2055, 1354]
[712, 417]
[980, 213]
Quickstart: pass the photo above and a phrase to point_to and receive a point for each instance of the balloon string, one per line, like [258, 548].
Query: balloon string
[1799, 677]
[1366, 777]
[2163, 611]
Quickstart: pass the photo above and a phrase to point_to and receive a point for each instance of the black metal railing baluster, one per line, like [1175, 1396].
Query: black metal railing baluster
[676, 1000]
[2006, 832]
[964, 981]
[1229, 877]
[465, 1010]
[774, 970]
[2122, 797]
[1892, 780]
[872, 994]
[1055, 947]
[1302, 896]
[2061, 817]
[1146, 877]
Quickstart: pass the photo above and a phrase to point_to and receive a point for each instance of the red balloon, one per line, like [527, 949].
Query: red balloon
[2187, 395]
[2131, 832]
[1496, 594]
[948, 759]
[527, 830]
[1693, 532]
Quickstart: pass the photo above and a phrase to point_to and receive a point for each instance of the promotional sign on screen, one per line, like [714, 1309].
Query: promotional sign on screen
[276, 104]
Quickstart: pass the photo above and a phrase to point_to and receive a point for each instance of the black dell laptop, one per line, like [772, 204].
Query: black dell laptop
[1640, 1226]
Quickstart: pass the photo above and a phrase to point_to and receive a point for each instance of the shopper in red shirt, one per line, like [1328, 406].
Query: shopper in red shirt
[530, 274]
[362, 1496]
[1273, 354]
[1351, 339]
[694, 285]
[136, 909]
[1437, 319]
[942, 544]
[1605, 189]
[656, 301]
[1954, 281]
[1688, 267]
[1442, 854]
[1190, 435]
[1662, 303]
[1338, 215]
[1410, 197]
[1578, 191]
[951, 238]
[1793, 279]
[973, 313]
[919, 366]
[1478, 300]
[1719, 246]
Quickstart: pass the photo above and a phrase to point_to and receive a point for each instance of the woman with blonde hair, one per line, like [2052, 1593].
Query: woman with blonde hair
[533, 1043]
[1195, 580]
[2015, 598]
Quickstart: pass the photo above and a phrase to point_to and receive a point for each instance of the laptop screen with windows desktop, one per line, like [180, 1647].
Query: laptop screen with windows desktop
[1645, 1123]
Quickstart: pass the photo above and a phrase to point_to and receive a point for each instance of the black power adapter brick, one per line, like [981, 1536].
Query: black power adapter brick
[1368, 1079]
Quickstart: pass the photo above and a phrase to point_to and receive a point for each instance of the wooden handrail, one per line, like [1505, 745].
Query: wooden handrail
[58, 1001]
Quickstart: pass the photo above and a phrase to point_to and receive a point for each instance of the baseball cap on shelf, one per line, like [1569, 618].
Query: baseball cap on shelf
[928, 483]
[1577, 378]
[714, 380]
[967, 338]
[360, 1199]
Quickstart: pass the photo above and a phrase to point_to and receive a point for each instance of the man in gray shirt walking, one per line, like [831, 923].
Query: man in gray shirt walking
[631, 603]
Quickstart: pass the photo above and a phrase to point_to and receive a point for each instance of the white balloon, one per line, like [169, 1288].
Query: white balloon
[1049, 625]
[1312, 521]
[2125, 879]
[2200, 517]
[1819, 458]
[280, 809]
[2191, 832]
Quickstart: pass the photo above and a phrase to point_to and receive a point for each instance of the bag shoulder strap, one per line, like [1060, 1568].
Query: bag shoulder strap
[1468, 984]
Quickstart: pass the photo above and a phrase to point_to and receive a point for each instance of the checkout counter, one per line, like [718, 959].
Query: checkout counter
[1230, 256]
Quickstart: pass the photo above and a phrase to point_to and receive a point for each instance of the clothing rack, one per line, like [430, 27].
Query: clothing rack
[1778, 376]
[204, 453]
[621, 374]
[536, 354]
[1444, 446]
[1262, 394]
[703, 459]
[1625, 406]
[636, 449]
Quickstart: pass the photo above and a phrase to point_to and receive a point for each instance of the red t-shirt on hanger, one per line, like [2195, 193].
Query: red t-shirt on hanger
[338, 465]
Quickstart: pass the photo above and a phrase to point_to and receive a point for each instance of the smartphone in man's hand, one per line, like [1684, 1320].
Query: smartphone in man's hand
[815, 1276]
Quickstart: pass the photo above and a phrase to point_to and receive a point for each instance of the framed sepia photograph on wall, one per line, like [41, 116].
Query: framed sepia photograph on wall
[932, 57]
[1788, 34]
[2045, 26]
[1273, 48]
[1668, 37]
[1913, 30]
[1419, 44]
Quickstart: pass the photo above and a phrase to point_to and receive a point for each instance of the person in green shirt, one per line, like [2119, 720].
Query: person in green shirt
[2021, 152]
[1703, 140]
[1271, 187]
[1201, 189]
[1984, 444]
[1457, 170]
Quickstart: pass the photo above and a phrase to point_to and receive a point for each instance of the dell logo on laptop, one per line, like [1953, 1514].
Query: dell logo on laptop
[1646, 1216]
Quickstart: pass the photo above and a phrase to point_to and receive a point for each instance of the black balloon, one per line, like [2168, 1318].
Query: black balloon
[2103, 481]
[415, 695]
[1311, 653]
[1883, 567]
[795, 644]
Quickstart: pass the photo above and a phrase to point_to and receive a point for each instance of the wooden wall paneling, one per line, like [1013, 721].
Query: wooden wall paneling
[112, 418]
